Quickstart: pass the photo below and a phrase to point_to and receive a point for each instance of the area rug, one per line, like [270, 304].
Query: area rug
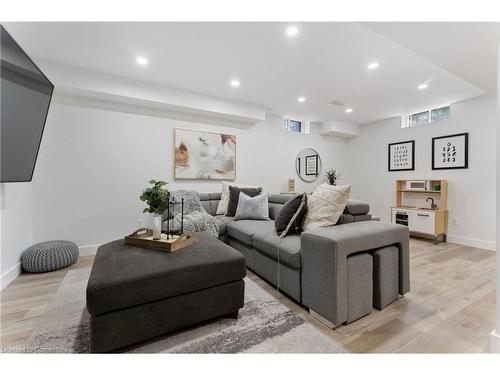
[265, 325]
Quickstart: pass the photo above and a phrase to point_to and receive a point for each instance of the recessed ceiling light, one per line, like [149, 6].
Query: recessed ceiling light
[235, 83]
[373, 65]
[292, 31]
[301, 99]
[141, 60]
[423, 86]
[348, 110]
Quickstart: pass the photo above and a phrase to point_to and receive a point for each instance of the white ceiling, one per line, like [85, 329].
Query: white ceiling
[324, 62]
[466, 49]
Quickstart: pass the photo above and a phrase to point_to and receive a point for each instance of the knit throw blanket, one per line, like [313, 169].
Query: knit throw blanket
[196, 219]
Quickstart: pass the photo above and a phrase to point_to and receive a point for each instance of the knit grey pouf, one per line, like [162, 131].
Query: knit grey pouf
[49, 256]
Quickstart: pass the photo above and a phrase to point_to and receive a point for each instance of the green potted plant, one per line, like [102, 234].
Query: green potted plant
[332, 176]
[156, 197]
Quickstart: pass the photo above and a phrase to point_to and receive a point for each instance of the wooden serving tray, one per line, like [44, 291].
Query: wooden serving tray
[144, 238]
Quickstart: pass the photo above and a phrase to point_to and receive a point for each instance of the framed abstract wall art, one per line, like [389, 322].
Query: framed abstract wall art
[450, 151]
[401, 156]
[204, 156]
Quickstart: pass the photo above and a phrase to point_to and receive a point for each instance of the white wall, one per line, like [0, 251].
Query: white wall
[94, 163]
[16, 227]
[471, 192]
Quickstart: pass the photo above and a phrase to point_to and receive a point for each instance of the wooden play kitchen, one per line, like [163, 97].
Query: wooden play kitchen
[422, 206]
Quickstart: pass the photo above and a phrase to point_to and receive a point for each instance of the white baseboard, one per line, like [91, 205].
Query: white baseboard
[10, 275]
[466, 241]
[494, 342]
[88, 250]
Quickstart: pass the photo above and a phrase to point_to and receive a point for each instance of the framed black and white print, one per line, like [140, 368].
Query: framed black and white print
[311, 165]
[450, 151]
[401, 156]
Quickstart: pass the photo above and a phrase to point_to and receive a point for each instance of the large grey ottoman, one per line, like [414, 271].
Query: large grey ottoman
[385, 276]
[135, 294]
[359, 286]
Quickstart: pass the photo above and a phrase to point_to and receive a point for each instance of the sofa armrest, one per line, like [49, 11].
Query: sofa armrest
[324, 254]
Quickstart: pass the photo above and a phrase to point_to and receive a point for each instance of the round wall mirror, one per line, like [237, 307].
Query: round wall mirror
[308, 165]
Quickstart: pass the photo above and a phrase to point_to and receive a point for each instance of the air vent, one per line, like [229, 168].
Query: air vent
[337, 103]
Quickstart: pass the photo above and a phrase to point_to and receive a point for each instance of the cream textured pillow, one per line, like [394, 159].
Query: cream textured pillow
[325, 205]
[224, 198]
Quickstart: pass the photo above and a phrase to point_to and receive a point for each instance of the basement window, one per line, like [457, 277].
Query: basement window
[425, 117]
[293, 126]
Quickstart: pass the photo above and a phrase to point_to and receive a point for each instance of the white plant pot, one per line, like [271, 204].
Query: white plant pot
[156, 223]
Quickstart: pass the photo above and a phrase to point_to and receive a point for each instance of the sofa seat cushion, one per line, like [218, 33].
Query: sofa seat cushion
[244, 230]
[223, 220]
[289, 247]
[123, 276]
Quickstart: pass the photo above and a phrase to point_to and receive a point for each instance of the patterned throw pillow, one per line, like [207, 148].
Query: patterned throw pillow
[256, 208]
[325, 205]
[290, 216]
[224, 198]
[234, 196]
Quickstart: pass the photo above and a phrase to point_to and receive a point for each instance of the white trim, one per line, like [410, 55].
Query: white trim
[494, 342]
[88, 250]
[10, 275]
[466, 241]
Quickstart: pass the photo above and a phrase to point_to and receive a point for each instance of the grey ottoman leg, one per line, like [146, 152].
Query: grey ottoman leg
[385, 276]
[359, 286]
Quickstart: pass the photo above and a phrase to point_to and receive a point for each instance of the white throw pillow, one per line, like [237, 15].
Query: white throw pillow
[224, 198]
[252, 208]
[325, 205]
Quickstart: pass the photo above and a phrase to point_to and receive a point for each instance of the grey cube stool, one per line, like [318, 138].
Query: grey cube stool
[385, 276]
[359, 286]
[49, 256]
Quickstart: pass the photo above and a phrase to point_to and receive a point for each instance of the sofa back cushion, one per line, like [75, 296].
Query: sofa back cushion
[276, 201]
[356, 207]
[210, 202]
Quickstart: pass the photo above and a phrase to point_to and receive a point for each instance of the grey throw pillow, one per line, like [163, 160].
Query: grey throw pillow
[290, 216]
[234, 197]
[252, 208]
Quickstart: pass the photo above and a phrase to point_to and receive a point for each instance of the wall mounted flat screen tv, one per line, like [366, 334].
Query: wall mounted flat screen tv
[25, 95]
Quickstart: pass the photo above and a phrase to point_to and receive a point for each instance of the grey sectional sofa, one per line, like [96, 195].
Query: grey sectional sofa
[324, 269]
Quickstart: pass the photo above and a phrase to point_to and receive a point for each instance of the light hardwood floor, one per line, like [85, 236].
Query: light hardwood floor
[450, 308]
